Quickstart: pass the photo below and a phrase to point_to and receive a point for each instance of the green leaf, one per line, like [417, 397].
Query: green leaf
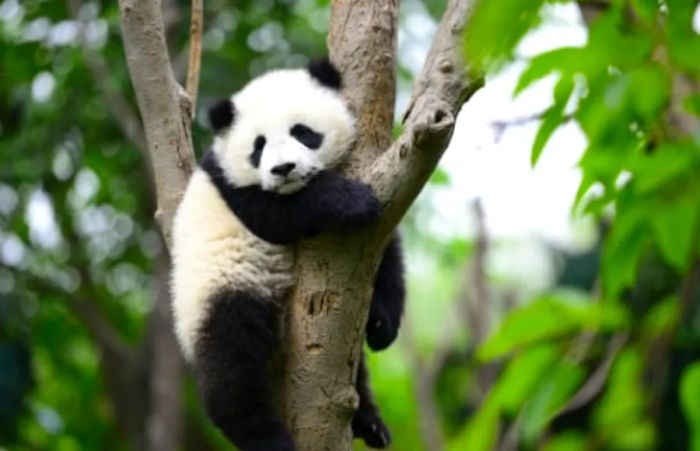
[646, 10]
[692, 104]
[662, 317]
[565, 60]
[667, 164]
[484, 48]
[567, 441]
[436, 8]
[552, 118]
[481, 432]
[624, 246]
[690, 402]
[555, 315]
[620, 416]
[440, 177]
[549, 396]
[675, 228]
[522, 374]
[648, 91]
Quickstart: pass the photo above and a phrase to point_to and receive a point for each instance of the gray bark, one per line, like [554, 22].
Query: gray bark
[329, 305]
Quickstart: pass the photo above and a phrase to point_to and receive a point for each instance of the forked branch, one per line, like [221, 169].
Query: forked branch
[196, 26]
[442, 87]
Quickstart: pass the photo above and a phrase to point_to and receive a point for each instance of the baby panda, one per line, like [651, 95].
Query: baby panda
[267, 183]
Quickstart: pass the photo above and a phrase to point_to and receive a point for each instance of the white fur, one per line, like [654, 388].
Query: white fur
[270, 105]
[212, 250]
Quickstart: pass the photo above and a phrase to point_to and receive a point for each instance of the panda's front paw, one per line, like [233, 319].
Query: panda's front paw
[368, 426]
[381, 330]
[363, 207]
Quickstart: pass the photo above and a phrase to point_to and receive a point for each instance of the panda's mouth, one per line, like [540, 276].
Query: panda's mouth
[291, 186]
[294, 183]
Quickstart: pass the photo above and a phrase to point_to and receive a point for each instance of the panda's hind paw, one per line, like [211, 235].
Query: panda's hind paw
[371, 429]
[381, 331]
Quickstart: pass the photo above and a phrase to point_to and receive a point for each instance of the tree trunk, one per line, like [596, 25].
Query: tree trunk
[327, 311]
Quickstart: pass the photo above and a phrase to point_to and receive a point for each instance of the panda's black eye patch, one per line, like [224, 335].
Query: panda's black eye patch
[306, 136]
[258, 146]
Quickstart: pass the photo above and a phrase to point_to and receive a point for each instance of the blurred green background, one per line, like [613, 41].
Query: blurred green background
[554, 299]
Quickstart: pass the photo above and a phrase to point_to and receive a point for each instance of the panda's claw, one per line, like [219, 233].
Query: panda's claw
[371, 429]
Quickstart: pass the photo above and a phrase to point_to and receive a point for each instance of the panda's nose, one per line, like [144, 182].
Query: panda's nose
[283, 169]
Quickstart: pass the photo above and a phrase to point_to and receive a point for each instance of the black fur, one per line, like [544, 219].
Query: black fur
[387, 298]
[325, 73]
[221, 115]
[232, 354]
[258, 146]
[327, 202]
[367, 423]
[240, 334]
[307, 136]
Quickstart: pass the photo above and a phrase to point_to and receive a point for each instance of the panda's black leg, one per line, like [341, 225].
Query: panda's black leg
[367, 423]
[387, 298]
[232, 354]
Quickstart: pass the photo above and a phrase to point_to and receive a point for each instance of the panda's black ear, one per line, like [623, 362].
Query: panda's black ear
[221, 114]
[325, 73]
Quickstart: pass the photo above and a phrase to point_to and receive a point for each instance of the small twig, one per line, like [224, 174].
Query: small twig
[659, 354]
[596, 382]
[195, 61]
[500, 126]
[477, 309]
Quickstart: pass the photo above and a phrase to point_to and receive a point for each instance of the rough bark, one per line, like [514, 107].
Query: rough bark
[328, 308]
[164, 106]
[163, 428]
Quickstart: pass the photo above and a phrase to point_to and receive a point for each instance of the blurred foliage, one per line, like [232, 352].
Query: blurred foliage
[607, 360]
[632, 89]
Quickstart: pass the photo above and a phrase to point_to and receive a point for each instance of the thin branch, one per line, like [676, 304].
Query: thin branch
[164, 105]
[500, 126]
[196, 26]
[427, 370]
[478, 313]
[91, 316]
[362, 43]
[596, 382]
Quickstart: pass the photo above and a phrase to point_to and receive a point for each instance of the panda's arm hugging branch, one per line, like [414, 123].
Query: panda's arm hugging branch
[328, 202]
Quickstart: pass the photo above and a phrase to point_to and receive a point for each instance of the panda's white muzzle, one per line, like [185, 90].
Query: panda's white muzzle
[287, 165]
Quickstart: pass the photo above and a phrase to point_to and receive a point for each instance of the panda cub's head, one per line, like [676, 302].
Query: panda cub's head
[282, 128]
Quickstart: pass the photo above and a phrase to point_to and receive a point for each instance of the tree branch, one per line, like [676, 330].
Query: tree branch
[596, 382]
[165, 108]
[362, 43]
[196, 26]
[329, 306]
[440, 90]
[165, 369]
